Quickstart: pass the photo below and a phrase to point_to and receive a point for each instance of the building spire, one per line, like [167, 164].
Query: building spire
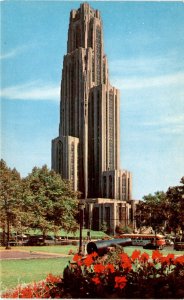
[87, 149]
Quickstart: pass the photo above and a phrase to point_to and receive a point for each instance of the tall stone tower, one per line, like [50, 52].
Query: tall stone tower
[87, 150]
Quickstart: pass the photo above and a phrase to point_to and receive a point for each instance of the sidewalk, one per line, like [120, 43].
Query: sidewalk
[22, 254]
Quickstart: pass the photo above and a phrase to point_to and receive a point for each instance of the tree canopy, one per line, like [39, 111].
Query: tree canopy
[10, 194]
[51, 202]
[162, 211]
[41, 200]
[175, 196]
[152, 211]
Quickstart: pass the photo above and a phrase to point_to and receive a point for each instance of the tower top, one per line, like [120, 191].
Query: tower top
[84, 10]
[83, 23]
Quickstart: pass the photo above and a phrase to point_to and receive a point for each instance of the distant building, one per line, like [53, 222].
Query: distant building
[87, 151]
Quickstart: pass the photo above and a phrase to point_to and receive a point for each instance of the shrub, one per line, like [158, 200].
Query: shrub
[115, 275]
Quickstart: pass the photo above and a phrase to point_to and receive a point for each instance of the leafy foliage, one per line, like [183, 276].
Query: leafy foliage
[163, 210]
[41, 200]
[175, 196]
[153, 211]
[51, 202]
[10, 196]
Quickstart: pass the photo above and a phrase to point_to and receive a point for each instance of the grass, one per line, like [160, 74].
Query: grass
[130, 249]
[14, 272]
[58, 249]
[94, 234]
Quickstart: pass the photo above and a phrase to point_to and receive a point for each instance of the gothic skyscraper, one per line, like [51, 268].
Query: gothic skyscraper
[87, 151]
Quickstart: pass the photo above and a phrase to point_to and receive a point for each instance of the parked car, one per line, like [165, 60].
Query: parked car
[35, 240]
[38, 240]
[152, 246]
[49, 240]
[179, 244]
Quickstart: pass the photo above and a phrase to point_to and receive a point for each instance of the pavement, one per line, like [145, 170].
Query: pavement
[22, 254]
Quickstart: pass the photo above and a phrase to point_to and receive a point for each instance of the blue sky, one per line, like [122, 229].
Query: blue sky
[144, 43]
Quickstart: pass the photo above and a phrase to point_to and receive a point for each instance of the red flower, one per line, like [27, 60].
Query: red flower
[52, 279]
[156, 255]
[120, 282]
[14, 294]
[96, 280]
[99, 268]
[135, 254]
[94, 254]
[179, 260]
[163, 260]
[27, 293]
[167, 260]
[170, 256]
[88, 260]
[110, 268]
[124, 256]
[144, 257]
[77, 257]
[126, 263]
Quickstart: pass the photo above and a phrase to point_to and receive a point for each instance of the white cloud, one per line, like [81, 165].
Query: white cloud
[168, 124]
[142, 82]
[146, 65]
[176, 119]
[32, 91]
[173, 130]
[14, 52]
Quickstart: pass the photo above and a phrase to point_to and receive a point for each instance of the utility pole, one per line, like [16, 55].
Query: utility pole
[81, 207]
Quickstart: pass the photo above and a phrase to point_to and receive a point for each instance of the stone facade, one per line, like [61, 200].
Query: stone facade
[87, 151]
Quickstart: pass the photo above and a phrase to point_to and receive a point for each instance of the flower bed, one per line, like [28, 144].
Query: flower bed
[115, 275]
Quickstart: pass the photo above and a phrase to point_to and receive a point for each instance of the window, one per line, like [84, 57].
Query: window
[93, 69]
[111, 130]
[107, 217]
[60, 156]
[98, 55]
[104, 77]
[110, 187]
[104, 186]
[78, 37]
[72, 162]
[124, 186]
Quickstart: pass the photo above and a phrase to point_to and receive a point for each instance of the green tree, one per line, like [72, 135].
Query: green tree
[153, 212]
[10, 195]
[175, 196]
[51, 202]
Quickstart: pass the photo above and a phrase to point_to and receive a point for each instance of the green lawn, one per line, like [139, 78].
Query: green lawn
[58, 249]
[14, 272]
[94, 234]
[130, 249]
